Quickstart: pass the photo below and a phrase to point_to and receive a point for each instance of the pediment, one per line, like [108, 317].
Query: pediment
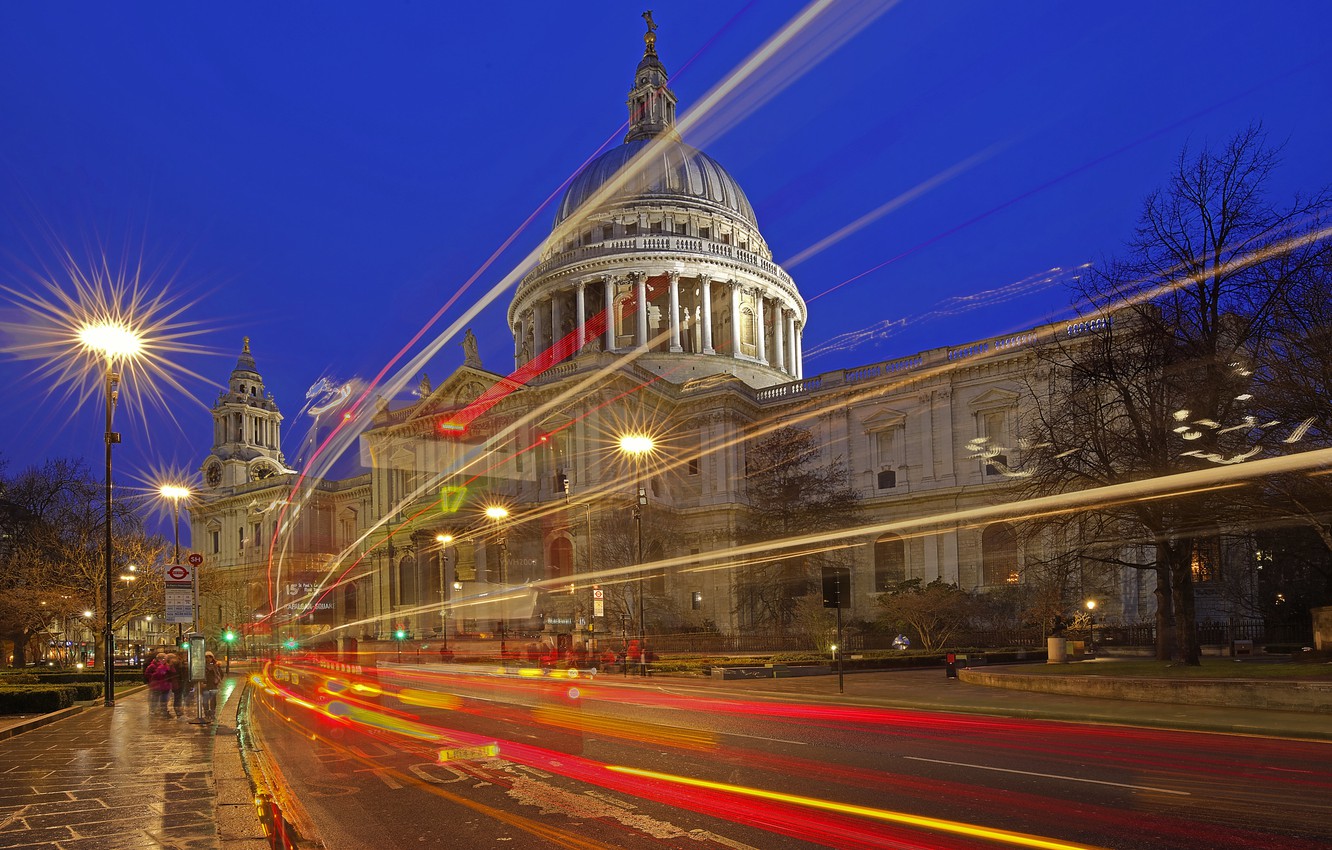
[992, 398]
[884, 417]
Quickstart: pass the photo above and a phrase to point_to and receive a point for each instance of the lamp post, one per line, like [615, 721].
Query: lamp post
[444, 540]
[113, 340]
[129, 578]
[1091, 626]
[637, 446]
[498, 513]
[175, 493]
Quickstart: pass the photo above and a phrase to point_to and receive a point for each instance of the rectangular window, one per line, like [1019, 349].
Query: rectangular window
[655, 227]
[996, 465]
[886, 448]
[607, 232]
[693, 466]
[681, 228]
[240, 538]
[705, 233]
[631, 229]
[217, 544]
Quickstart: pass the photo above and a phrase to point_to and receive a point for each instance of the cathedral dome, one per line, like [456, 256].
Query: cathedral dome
[675, 173]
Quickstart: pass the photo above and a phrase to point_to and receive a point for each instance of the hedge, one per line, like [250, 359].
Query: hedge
[35, 699]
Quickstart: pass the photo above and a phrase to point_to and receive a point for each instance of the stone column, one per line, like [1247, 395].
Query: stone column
[779, 337]
[608, 300]
[791, 367]
[556, 321]
[734, 288]
[580, 307]
[760, 331]
[705, 289]
[799, 352]
[675, 312]
[641, 313]
[538, 333]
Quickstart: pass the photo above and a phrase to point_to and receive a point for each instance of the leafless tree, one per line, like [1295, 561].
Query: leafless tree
[792, 491]
[1161, 382]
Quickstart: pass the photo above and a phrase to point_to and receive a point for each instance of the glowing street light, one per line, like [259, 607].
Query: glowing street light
[636, 447]
[175, 494]
[115, 341]
[499, 513]
[1091, 624]
[444, 540]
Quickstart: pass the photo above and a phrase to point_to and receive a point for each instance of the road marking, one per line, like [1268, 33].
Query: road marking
[1054, 776]
[762, 738]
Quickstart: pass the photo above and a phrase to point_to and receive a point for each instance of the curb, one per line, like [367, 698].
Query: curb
[238, 824]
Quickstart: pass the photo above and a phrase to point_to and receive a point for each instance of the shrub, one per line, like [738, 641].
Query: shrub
[19, 679]
[35, 699]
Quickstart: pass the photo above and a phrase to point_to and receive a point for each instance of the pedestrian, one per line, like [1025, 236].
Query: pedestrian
[159, 676]
[180, 674]
[212, 681]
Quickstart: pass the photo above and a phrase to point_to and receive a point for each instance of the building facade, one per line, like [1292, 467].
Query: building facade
[504, 504]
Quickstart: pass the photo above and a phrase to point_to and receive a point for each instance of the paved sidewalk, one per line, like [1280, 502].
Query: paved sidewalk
[107, 779]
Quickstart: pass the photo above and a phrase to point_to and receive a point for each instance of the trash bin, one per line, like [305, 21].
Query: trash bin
[1057, 650]
[1241, 647]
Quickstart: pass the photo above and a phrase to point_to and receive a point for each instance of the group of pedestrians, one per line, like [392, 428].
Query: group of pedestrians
[168, 678]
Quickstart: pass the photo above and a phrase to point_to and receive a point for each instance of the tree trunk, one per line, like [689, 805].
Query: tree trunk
[1165, 608]
[1186, 631]
[20, 641]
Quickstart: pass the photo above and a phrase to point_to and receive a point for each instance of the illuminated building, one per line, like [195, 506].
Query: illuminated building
[655, 304]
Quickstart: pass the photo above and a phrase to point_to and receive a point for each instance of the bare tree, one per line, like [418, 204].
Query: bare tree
[57, 567]
[792, 491]
[1169, 364]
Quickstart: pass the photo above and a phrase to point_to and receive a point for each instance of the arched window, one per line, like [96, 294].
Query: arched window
[560, 564]
[349, 609]
[407, 581]
[624, 317]
[999, 555]
[889, 562]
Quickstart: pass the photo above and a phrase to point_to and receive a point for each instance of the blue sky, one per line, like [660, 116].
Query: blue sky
[323, 177]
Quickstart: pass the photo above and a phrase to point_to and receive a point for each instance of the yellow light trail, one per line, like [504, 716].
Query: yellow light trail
[1002, 836]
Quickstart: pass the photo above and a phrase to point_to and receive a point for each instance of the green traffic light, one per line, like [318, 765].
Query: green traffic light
[400, 634]
[291, 643]
[229, 636]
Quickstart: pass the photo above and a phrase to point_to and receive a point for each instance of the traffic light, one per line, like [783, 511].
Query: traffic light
[400, 634]
[228, 636]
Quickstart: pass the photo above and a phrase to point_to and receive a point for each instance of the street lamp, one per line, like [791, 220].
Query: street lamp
[175, 494]
[499, 513]
[637, 446]
[444, 540]
[1091, 625]
[112, 340]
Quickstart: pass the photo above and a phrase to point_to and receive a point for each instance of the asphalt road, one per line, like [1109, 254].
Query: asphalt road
[406, 759]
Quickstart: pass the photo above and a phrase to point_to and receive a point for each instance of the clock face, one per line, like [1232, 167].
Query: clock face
[262, 472]
[213, 474]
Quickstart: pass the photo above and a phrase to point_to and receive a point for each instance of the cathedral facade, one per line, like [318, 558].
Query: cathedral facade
[505, 503]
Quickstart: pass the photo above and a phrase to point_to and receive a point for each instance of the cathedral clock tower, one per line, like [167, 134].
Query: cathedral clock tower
[247, 444]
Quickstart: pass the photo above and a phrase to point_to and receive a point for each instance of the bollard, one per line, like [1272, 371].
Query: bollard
[950, 665]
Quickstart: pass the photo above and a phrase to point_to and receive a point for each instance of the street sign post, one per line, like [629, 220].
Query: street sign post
[179, 603]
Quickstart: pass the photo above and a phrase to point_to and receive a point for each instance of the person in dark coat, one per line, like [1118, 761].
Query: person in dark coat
[180, 675]
[159, 675]
[212, 681]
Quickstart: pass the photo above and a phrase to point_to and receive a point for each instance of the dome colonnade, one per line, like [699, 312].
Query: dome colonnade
[656, 252]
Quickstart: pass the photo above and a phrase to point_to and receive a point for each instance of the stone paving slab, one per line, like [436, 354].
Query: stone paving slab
[115, 779]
